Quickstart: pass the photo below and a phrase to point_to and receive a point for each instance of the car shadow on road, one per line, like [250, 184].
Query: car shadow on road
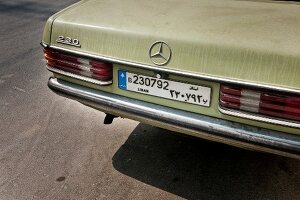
[197, 169]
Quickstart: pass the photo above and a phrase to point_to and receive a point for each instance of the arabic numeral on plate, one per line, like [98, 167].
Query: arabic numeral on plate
[153, 81]
[136, 78]
[166, 85]
[147, 81]
[159, 84]
[174, 94]
[194, 97]
[142, 80]
[199, 98]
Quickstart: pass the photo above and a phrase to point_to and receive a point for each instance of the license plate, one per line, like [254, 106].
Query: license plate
[168, 89]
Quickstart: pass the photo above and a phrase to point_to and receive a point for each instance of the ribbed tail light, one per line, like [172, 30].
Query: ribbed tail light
[273, 104]
[80, 66]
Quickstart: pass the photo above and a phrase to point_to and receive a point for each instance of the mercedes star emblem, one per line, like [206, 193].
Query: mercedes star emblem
[160, 53]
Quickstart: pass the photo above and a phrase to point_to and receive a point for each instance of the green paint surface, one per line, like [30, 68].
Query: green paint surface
[250, 41]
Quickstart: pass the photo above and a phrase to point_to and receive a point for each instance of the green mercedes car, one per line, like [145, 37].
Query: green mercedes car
[223, 70]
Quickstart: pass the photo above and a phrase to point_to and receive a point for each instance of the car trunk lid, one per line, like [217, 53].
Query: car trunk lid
[248, 41]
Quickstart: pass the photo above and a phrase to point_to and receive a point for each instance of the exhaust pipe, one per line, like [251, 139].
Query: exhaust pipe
[109, 118]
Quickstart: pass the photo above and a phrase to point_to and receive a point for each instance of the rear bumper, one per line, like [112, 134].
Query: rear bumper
[190, 123]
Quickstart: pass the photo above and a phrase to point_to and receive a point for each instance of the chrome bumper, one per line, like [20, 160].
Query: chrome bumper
[194, 124]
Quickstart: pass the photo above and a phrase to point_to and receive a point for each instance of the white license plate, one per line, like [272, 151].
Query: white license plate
[158, 87]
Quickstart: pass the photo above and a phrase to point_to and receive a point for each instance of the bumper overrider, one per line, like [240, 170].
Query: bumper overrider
[206, 127]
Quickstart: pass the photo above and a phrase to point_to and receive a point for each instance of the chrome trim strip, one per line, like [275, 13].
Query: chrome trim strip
[43, 44]
[179, 73]
[257, 117]
[87, 79]
[202, 126]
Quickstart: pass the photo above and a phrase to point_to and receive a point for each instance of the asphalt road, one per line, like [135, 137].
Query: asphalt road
[55, 148]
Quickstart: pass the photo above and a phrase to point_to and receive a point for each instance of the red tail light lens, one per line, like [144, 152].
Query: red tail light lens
[80, 66]
[283, 106]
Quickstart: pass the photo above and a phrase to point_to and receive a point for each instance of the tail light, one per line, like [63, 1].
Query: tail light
[94, 69]
[273, 104]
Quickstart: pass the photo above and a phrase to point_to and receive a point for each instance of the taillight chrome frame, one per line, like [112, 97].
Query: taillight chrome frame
[83, 78]
[257, 116]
